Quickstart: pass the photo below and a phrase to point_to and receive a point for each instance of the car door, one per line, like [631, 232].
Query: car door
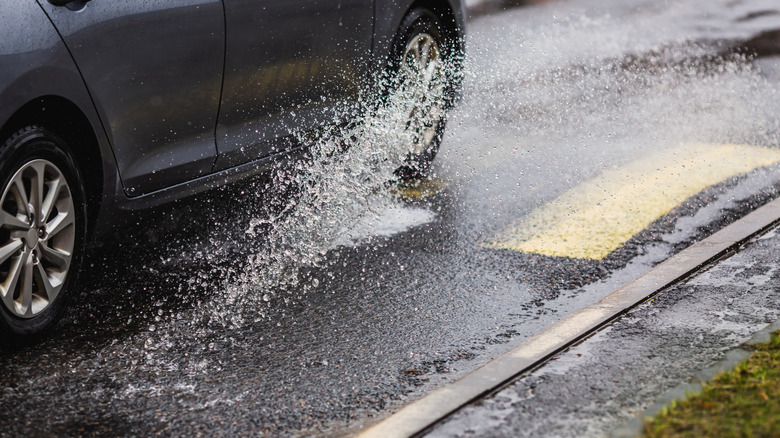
[154, 70]
[289, 65]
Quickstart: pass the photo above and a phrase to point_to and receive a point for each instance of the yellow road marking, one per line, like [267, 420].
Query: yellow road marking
[420, 189]
[597, 217]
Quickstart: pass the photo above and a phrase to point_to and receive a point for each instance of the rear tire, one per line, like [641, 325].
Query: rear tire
[423, 65]
[42, 233]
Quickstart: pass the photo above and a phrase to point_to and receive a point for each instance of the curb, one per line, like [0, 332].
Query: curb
[420, 416]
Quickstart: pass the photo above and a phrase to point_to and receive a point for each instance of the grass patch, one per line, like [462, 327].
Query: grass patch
[743, 402]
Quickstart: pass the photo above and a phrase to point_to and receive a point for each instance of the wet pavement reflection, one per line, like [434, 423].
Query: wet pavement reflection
[187, 323]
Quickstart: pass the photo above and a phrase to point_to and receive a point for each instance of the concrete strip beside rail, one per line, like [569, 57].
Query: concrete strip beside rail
[420, 415]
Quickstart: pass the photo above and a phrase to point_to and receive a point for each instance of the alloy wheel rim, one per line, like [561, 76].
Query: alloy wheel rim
[422, 78]
[37, 237]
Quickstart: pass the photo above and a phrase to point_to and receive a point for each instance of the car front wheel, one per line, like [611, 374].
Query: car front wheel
[42, 228]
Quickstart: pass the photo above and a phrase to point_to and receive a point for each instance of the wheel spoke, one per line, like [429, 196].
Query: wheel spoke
[431, 73]
[9, 285]
[59, 258]
[59, 223]
[10, 249]
[51, 198]
[22, 200]
[12, 280]
[428, 135]
[11, 222]
[26, 285]
[425, 52]
[37, 184]
[43, 279]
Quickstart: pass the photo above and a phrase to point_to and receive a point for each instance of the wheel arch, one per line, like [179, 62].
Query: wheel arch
[445, 11]
[454, 28]
[66, 120]
[389, 18]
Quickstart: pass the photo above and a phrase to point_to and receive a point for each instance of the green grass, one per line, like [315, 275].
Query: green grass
[743, 402]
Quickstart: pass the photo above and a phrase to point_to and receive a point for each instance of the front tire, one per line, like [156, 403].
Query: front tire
[42, 232]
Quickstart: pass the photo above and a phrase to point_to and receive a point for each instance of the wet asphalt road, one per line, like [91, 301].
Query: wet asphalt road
[556, 93]
[656, 353]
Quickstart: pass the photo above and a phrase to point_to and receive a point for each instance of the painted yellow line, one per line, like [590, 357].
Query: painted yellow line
[597, 217]
[420, 189]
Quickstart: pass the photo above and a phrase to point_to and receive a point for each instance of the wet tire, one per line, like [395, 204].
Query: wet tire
[424, 56]
[42, 233]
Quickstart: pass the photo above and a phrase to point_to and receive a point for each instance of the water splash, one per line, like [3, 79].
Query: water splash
[547, 101]
[345, 178]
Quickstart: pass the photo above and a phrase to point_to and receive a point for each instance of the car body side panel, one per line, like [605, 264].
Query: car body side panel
[154, 70]
[34, 67]
[289, 63]
[388, 16]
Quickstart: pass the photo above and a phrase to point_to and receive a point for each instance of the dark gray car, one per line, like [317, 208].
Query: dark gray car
[108, 107]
